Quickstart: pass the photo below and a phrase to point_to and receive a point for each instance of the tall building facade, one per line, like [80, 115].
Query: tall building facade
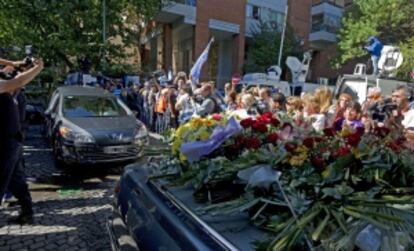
[184, 28]
[326, 16]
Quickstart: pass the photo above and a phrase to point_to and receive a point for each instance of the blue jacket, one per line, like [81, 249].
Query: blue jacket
[374, 47]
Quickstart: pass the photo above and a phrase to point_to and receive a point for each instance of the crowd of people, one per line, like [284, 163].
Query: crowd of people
[167, 105]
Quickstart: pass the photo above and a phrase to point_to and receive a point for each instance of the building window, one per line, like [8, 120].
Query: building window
[276, 19]
[190, 2]
[326, 22]
[252, 11]
[338, 3]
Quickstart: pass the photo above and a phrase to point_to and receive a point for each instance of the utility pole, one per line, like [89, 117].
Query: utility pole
[283, 37]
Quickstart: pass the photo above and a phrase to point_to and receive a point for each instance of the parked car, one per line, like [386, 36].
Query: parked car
[89, 125]
[152, 214]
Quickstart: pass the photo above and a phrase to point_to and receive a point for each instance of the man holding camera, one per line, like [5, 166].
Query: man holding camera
[374, 47]
[11, 169]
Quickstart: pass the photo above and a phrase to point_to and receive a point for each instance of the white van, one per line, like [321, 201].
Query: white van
[357, 86]
[262, 80]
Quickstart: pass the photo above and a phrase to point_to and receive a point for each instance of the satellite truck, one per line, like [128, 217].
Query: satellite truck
[358, 83]
[299, 71]
[355, 84]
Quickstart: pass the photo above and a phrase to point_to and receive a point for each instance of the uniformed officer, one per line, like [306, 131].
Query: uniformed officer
[11, 169]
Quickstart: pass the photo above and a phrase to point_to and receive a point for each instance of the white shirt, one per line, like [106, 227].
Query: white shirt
[317, 120]
[408, 120]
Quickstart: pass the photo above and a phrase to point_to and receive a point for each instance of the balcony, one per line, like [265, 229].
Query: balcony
[177, 10]
[326, 21]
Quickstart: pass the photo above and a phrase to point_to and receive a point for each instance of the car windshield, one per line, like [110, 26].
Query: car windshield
[91, 106]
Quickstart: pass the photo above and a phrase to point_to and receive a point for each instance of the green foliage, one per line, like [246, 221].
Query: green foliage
[264, 50]
[65, 31]
[391, 20]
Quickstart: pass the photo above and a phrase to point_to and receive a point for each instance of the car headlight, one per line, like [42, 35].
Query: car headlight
[141, 133]
[75, 136]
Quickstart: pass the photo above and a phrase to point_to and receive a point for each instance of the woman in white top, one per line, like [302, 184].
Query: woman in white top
[312, 112]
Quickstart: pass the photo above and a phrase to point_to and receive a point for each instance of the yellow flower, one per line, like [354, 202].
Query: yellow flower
[179, 132]
[297, 160]
[209, 122]
[357, 153]
[176, 146]
[302, 150]
[203, 133]
[346, 131]
[195, 123]
[325, 173]
[182, 157]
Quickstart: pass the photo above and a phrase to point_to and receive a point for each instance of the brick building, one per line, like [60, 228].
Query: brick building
[185, 27]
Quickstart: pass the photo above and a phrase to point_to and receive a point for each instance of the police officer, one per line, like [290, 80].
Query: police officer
[11, 169]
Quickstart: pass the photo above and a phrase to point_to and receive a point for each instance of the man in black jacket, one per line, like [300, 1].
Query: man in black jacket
[11, 170]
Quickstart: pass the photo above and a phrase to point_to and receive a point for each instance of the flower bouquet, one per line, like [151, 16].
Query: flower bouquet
[332, 190]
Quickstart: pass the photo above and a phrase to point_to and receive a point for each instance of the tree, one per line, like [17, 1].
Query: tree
[390, 20]
[265, 45]
[63, 32]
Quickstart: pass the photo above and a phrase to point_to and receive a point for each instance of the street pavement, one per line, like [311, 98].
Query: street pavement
[71, 206]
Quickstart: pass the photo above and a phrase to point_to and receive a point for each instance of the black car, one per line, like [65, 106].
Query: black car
[88, 125]
[154, 213]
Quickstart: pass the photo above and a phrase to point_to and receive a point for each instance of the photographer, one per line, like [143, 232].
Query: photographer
[374, 47]
[401, 98]
[11, 168]
[208, 104]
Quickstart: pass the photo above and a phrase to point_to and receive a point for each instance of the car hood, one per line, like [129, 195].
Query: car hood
[108, 130]
[104, 123]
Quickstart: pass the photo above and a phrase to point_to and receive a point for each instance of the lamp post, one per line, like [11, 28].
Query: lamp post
[283, 37]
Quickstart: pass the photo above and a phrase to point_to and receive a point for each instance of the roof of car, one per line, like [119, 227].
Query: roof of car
[82, 90]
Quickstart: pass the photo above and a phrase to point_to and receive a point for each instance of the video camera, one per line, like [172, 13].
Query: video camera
[382, 110]
[29, 59]
[28, 63]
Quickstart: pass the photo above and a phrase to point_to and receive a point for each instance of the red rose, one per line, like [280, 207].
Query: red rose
[216, 116]
[329, 132]
[267, 115]
[318, 162]
[253, 143]
[275, 122]
[272, 138]
[309, 142]
[353, 139]
[290, 147]
[246, 123]
[393, 146]
[240, 141]
[360, 131]
[260, 127]
[343, 151]
[381, 131]
[265, 118]
[333, 156]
